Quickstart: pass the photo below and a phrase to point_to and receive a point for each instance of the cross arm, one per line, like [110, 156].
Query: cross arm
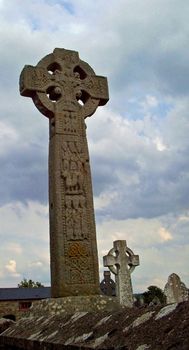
[109, 260]
[133, 260]
[96, 87]
[34, 79]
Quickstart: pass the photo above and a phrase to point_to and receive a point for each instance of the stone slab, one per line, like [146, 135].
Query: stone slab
[175, 290]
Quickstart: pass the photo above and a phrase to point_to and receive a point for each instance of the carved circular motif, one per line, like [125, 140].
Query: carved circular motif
[129, 253]
[64, 88]
[77, 249]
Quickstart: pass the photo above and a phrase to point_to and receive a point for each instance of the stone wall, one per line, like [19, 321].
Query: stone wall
[15, 308]
[70, 305]
[57, 306]
[9, 308]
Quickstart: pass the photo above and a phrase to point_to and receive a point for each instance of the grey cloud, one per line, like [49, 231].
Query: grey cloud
[150, 51]
[139, 46]
[23, 175]
[149, 182]
[101, 178]
[157, 193]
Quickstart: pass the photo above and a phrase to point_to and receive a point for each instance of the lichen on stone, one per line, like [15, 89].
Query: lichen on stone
[165, 311]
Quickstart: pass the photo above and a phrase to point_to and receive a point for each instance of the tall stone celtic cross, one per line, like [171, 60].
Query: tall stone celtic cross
[121, 261]
[66, 90]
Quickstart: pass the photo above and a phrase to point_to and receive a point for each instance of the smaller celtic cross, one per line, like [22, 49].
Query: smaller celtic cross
[121, 261]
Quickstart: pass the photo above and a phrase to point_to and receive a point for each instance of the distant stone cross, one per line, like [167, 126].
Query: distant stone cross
[66, 90]
[121, 262]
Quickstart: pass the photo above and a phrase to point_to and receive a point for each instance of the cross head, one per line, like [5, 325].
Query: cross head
[62, 82]
[122, 261]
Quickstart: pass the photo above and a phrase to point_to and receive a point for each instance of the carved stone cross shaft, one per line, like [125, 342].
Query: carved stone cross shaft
[66, 90]
[121, 262]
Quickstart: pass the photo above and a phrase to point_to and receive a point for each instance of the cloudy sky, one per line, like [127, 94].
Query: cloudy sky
[139, 142]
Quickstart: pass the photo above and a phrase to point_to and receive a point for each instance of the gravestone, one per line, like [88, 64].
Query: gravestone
[107, 285]
[66, 90]
[121, 262]
[175, 290]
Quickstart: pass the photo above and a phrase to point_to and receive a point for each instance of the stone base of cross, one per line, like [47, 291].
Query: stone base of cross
[121, 261]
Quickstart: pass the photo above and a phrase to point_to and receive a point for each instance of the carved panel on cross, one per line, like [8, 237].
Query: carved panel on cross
[35, 78]
[73, 167]
[68, 124]
[97, 86]
[79, 263]
[76, 224]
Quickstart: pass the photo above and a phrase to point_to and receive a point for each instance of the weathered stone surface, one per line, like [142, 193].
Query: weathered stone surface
[66, 90]
[145, 317]
[143, 347]
[166, 310]
[122, 261]
[129, 329]
[69, 305]
[175, 290]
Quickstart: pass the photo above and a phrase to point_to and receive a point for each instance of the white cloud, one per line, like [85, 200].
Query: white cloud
[36, 264]
[24, 242]
[30, 220]
[159, 144]
[165, 234]
[8, 137]
[149, 103]
[184, 217]
[11, 268]
[104, 199]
